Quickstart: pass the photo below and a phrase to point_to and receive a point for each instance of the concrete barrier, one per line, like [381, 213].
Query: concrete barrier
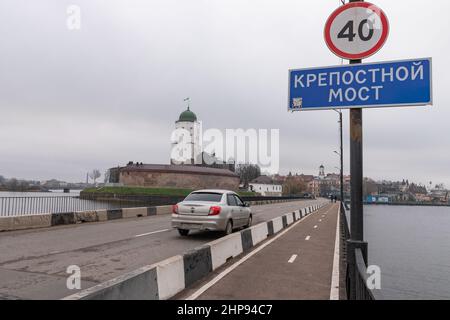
[277, 224]
[114, 214]
[197, 264]
[102, 215]
[63, 218]
[163, 210]
[85, 216]
[290, 218]
[170, 275]
[165, 279]
[225, 248]
[246, 239]
[259, 233]
[134, 212]
[25, 222]
[57, 219]
[140, 284]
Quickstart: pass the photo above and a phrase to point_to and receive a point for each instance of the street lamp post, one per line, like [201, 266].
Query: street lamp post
[341, 154]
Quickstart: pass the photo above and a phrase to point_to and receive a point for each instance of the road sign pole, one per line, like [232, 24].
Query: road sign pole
[356, 171]
[356, 184]
[342, 157]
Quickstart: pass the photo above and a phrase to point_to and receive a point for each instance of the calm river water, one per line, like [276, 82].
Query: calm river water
[412, 247]
[23, 203]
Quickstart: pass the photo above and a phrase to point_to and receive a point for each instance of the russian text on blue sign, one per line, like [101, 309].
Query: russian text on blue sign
[371, 85]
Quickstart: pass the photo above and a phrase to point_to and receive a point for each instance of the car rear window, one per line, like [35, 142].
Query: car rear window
[204, 196]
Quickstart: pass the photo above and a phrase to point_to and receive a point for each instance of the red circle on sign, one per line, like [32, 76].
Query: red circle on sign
[362, 55]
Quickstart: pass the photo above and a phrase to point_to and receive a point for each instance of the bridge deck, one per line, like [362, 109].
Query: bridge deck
[33, 263]
[275, 272]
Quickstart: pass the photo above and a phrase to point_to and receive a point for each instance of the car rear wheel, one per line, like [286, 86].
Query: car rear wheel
[249, 223]
[183, 232]
[229, 228]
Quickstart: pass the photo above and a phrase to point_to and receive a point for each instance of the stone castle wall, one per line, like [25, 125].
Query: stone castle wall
[178, 180]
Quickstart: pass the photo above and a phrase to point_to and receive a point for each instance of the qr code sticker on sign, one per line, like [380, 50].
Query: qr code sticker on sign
[297, 103]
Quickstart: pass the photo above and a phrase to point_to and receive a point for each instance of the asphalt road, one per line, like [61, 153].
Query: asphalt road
[33, 263]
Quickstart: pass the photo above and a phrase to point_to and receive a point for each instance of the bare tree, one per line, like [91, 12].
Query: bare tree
[107, 176]
[294, 186]
[95, 174]
[247, 172]
[12, 184]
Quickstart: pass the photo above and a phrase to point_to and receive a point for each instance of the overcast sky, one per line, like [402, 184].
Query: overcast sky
[109, 93]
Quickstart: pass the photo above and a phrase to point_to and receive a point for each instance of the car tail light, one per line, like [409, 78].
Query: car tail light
[175, 208]
[214, 211]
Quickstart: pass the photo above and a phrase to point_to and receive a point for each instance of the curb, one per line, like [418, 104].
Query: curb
[163, 280]
[46, 220]
[57, 219]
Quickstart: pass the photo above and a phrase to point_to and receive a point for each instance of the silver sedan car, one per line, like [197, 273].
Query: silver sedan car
[213, 210]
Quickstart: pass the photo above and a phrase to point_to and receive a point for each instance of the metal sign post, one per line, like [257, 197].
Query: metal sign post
[356, 187]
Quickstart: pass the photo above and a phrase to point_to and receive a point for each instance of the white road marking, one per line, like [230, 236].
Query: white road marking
[292, 259]
[334, 292]
[149, 233]
[308, 238]
[221, 275]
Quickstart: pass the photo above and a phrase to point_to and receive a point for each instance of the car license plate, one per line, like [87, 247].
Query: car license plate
[191, 226]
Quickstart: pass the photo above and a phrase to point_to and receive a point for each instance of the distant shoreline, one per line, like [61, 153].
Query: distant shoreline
[37, 190]
[27, 190]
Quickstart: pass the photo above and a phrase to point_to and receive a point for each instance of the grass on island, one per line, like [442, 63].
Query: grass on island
[149, 191]
[140, 191]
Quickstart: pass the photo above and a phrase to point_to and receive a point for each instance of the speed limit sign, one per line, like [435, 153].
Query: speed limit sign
[356, 30]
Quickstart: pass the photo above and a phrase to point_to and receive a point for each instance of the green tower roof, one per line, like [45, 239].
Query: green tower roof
[187, 116]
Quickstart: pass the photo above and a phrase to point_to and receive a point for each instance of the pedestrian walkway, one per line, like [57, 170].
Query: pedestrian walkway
[298, 264]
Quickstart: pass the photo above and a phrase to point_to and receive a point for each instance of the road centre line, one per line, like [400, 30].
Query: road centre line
[150, 233]
[292, 259]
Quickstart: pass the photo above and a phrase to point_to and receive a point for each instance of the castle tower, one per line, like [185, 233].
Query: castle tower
[188, 121]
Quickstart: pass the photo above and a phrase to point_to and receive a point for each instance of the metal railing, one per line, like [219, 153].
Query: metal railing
[19, 206]
[30, 205]
[362, 292]
[355, 266]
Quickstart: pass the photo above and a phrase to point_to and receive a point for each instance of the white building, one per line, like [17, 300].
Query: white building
[266, 187]
[185, 153]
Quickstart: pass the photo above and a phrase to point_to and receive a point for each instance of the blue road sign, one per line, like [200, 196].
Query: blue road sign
[371, 85]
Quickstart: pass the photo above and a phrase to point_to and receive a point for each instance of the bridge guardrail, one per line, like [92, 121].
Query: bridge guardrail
[20, 206]
[356, 275]
[43, 220]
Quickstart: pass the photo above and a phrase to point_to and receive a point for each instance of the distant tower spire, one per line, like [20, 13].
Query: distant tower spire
[321, 171]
